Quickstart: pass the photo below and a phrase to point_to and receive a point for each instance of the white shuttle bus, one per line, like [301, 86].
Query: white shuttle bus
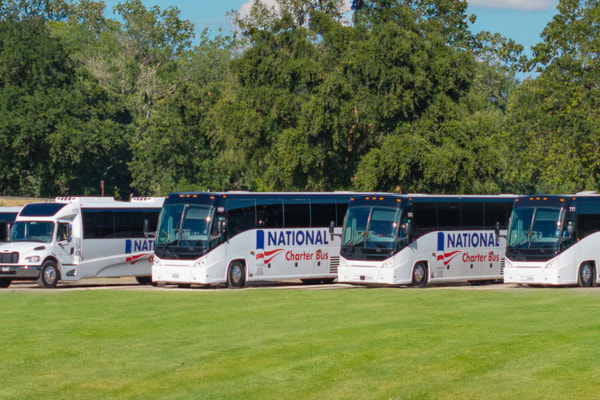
[73, 238]
[390, 239]
[554, 240]
[237, 237]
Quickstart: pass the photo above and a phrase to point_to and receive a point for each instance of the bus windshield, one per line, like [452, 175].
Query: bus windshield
[184, 229]
[535, 227]
[371, 231]
[32, 231]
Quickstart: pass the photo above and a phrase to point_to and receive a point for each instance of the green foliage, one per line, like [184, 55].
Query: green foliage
[404, 98]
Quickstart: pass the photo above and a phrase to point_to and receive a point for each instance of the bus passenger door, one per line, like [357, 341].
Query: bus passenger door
[65, 247]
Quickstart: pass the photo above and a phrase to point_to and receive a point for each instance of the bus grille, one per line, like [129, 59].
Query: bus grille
[9, 258]
[334, 263]
[502, 266]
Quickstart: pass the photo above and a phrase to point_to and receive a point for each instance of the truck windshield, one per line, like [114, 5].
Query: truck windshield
[371, 232]
[32, 231]
[535, 227]
[184, 231]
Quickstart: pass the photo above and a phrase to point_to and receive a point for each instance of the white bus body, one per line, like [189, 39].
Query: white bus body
[554, 240]
[74, 238]
[237, 237]
[392, 239]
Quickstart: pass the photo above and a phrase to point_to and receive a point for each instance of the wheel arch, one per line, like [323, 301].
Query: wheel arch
[427, 267]
[244, 264]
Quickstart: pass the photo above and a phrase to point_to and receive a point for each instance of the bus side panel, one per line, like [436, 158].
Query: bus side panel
[115, 257]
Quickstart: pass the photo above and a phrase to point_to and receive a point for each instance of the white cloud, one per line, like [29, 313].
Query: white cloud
[245, 8]
[517, 5]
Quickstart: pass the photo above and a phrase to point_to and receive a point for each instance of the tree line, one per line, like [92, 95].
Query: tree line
[393, 95]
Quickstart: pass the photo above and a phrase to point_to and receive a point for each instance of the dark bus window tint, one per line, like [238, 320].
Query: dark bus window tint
[297, 213]
[472, 215]
[97, 224]
[269, 213]
[341, 209]
[322, 214]
[241, 216]
[449, 215]
[129, 223]
[587, 224]
[497, 212]
[424, 216]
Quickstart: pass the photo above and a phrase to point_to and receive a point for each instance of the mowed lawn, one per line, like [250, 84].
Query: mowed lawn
[384, 343]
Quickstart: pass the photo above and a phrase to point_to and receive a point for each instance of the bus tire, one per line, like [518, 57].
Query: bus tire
[236, 276]
[4, 283]
[586, 275]
[49, 275]
[419, 275]
[143, 280]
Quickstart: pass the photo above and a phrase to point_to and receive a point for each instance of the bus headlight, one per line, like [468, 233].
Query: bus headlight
[507, 263]
[552, 264]
[157, 261]
[32, 259]
[388, 264]
[343, 263]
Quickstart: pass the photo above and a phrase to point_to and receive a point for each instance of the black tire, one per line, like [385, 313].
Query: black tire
[236, 276]
[328, 281]
[586, 275]
[49, 275]
[419, 275]
[311, 281]
[144, 280]
[5, 282]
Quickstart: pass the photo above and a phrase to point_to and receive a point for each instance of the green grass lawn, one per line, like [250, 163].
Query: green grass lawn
[298, 344]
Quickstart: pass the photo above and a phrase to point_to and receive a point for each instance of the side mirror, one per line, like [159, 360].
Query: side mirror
[332, 230]
[221, 226]
[570, 229]
[497, 230]
[7, 232]
[147, 232]
[408, 228]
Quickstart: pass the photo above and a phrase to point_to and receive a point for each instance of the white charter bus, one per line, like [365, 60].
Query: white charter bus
[390, 239]
[73, 238]
[237, 237]
[554, 240]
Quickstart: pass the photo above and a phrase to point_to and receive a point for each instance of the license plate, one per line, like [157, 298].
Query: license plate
[5, 269]
[175, 276]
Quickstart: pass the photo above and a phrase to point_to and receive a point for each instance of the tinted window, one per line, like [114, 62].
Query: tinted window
[497, 212]
[269, 213]
[119, 223]
[322, 214]
[297, 213]
[241, 216]
[472, 215]
[449, 215]
[424, 216]
[41, 209]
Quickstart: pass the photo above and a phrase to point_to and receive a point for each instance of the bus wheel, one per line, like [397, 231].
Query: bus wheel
[143, 280]
[236, 277]
[4, 283]
[586, 275]
[419, 276]
[49, 275]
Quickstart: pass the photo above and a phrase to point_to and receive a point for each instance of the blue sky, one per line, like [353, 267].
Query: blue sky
[520, 20]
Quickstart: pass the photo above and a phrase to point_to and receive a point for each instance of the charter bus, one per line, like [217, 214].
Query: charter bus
[237, 237]
[72, 238]
[7, 217]
[554, 240]
[390, 239]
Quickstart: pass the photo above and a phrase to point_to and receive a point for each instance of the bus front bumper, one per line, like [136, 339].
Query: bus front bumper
[19, 272]
[370, 276]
